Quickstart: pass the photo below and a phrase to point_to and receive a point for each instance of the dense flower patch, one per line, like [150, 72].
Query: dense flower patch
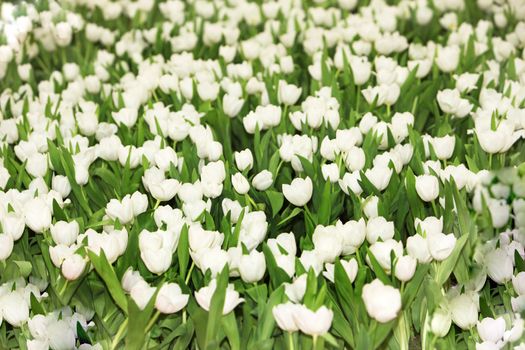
[262, 174]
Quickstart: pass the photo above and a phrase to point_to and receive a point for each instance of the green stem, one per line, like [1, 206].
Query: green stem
[189, 273]
[152, 320]
[119, 334]
[290, 341]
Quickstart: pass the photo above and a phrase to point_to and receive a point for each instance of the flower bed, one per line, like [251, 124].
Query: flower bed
[269, 174]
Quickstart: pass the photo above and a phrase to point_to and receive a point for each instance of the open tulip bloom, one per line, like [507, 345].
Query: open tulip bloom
[278, 174]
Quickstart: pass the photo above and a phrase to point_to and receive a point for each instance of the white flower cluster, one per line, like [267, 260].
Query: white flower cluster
[203, 171]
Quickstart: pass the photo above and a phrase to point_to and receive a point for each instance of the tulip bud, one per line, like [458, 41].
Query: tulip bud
[231, 300]
[73, 266]
[141, 293]
[244, 159]
[284, 316]
[299, 192]
[263, 180]
[37, 215]
[252, 267]
[427, 187]
[491, 330]
[240, 183]
[441, 322]
[14, 308]
[65, 232]
[61, 184]
[61, 335]
[405, 268]
[464, 310]
[314, 323]
[518, 282]
[6, 246]
[499, 266]
[288, 93]
[382, 302]
[170, 299]
[13, 225]
[379, 228]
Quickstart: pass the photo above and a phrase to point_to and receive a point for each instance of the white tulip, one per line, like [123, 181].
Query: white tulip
[427, 187]
[314, 323]
[170, 299]
[252, 267]
[491, 330]
[65, 232]
[284, 316]
[204, 295]
[464, 310]
[382, 302]
[37, 215]
[299, 192]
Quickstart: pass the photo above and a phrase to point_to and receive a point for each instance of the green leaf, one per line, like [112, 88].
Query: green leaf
[215, 312]
[276, 200]
[183, 252]
[106, 272]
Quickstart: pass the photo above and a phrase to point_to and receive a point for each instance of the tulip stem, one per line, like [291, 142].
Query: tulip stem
[290, 341]
[434, 208]
[315, 341]
[152, 320]
[189, 273]
[119, 334]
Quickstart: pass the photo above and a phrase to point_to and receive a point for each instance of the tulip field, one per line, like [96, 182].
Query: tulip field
[262, 174]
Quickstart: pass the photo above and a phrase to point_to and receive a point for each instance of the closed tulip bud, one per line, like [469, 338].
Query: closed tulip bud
[123, 211]
[464, 310]
[491, 330]
[170, 299]
[417, 247]
[6, 246]
[518, 282]
[382, 302]
[231, 300]
[65, 232]
[299, 192]
[240, 183]
[427, 187]
[13, 224]
[361, 69]
[379, 176]
[441, 322]
[500, 265]
[73, 266]
[379, 228]
[350, 183]
[127, 116]
[405, 268]
[141, 293]
[208, 91]
[37, 165]
[330, 172]
[440, 245]
[61, 184]
[263, 180]
[448, 58]
[355, 159]
[288, 93]
[284, 316]
[61, 335]
[370, 207]
[252, 267]
[314, 323]
[14, 308]
[244, 159]
[37, 215]
[232, 105]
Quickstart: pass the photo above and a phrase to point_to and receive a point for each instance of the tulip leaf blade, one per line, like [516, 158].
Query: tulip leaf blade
[108, 275]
